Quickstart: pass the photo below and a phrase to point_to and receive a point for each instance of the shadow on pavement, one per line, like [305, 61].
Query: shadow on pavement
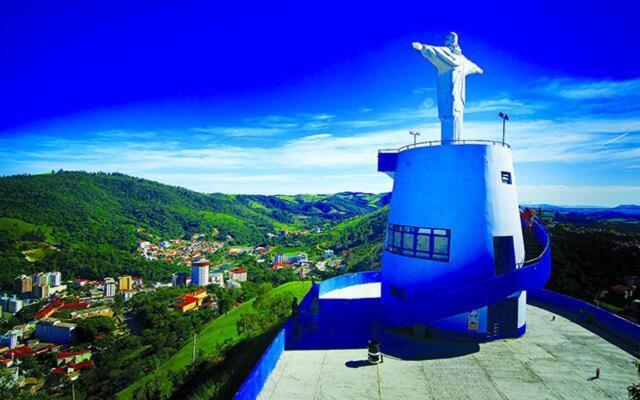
[358, 363]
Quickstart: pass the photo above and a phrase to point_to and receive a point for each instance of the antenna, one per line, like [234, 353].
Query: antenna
[505, 118]
[415, 135]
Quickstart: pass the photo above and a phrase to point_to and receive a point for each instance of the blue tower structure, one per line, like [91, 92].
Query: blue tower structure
[454, 252]
[454, 223]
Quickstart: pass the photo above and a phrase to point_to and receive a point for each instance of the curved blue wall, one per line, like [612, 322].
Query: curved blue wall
[347, 280]
[468, 189]
[614, 324]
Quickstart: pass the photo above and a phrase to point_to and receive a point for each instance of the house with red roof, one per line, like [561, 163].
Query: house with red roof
[77, 304]
[80, 282]
[190, 301]
[67, 356]
[72, 367]
[238, 274]
[281, 264]
[49, 309]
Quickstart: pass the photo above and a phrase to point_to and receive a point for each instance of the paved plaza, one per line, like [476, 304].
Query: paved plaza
[553, 360]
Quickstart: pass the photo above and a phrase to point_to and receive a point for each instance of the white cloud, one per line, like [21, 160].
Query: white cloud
[329, 153]
[601, 89]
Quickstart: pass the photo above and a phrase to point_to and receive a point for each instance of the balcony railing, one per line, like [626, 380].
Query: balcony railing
[440, 142]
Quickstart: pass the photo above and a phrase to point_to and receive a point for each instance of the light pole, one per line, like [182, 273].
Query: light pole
[193, 352]
[415, 136]
[505, 118]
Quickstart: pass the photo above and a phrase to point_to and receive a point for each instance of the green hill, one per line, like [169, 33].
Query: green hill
[221, 331]
[95, 219]
[102, 208]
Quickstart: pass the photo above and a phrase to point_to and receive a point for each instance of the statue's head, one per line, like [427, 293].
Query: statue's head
[452, 43]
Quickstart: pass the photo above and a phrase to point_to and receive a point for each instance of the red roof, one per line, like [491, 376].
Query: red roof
[238, 271]
[20, 351]
[278, 265]
[75, 366]
[62, 354]
[49, 308]
[186, 300]
[78, 304]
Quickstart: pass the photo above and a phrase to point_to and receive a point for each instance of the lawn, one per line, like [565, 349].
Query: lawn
[213, 335]
[17, 227]
[37, 254]
[312, 252]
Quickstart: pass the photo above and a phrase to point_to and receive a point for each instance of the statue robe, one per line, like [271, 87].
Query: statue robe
[452, 70]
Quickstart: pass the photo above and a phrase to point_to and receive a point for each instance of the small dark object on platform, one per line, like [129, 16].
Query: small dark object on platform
[375, 356]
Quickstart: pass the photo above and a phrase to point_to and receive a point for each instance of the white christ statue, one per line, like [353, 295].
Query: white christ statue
[452, 67]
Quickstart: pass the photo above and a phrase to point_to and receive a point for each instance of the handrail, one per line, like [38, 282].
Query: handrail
[538, 226]
[440, 142]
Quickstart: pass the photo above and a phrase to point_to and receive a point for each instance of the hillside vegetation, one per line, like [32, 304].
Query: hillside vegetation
[95, 220]
[214, 337]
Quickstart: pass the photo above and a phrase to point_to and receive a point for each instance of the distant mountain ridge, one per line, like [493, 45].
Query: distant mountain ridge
[623, 210]
[103, 208]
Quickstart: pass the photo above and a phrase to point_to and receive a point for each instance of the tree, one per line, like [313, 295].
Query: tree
[9, 389]
[153, 389]
[634, 391]
[89, 328]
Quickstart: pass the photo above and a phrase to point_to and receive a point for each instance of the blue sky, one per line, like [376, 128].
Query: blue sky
[297, 97]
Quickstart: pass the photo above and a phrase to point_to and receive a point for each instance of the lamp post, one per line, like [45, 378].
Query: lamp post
[505, 118]
[415, 136]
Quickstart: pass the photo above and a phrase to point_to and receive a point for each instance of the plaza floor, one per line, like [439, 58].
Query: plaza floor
[553, 360]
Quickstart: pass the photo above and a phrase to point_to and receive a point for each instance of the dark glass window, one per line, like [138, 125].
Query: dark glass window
[419, 242]
[506, 177]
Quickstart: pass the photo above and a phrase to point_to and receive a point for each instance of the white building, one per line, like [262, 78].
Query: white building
[238, 274]
[11, 304]
[11, 339]
[199, 272]
[321, 265]
[233, 284]
[328, 253]
[57, 289]
[109, 287]
[302, 258]
[127, 294]
[54, 278]
[217, 278]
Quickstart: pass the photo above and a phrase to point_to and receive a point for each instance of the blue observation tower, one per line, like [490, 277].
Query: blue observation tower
[454, 246]
[459, 266]
[454, 256]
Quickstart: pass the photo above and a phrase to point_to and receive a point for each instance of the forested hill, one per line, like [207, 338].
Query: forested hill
[87, 224]
[102, 208]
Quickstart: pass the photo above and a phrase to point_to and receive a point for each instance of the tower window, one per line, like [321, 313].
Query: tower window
[506, 177]
[419, 242]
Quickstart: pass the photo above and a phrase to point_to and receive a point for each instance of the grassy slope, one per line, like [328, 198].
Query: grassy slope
[214, 334]
[17, 227]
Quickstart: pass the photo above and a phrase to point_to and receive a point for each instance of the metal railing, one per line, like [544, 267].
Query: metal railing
[440, 142]
[537, 226]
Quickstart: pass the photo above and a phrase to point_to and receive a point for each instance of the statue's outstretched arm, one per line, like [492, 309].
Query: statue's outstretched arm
[435, 55]
[473, 68]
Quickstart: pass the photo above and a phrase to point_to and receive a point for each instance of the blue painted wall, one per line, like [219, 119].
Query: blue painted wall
[252, 386]
[618, 326]
[457, 187]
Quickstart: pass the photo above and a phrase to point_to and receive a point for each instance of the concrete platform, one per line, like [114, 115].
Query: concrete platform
[553, 360]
